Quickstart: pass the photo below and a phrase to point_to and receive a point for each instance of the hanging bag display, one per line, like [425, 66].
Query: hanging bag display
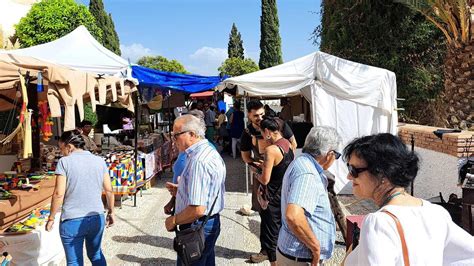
[190, 242]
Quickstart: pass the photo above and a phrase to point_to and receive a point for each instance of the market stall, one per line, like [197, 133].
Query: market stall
[31, 92]
[355, 99]
[158, 91]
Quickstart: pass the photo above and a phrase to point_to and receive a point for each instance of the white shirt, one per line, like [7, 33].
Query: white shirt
[431, 236]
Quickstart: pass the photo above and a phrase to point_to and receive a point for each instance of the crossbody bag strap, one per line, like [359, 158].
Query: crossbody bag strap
[210, 211]
[402, 237]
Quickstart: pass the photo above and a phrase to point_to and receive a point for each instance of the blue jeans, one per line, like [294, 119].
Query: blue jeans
[73, 232]
[211, 233]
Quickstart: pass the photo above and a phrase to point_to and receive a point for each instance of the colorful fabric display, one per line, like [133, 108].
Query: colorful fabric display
[122, 173]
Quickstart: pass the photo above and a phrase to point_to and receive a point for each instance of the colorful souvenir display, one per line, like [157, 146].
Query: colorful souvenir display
[122, 172]
[5, 194]
[11, 180]
[37, 218]
[45, 120]
[50, 156]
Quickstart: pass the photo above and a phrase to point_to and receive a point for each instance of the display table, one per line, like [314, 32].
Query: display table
[36, 248]
[25, 201]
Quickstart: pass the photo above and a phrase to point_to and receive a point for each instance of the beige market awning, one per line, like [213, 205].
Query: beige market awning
[64, 86]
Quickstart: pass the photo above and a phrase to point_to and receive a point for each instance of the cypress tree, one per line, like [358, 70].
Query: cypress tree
[270, 41]
[235, 48]
[110, 38]
[115, 38]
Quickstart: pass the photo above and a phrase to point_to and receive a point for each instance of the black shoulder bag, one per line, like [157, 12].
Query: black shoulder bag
[190, 242]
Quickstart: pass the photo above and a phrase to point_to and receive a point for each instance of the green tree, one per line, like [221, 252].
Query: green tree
[89, 115]
[235, 48]
[270, 41]
[390, 36]
[455, 19]
[110, 39]
[162, 63]
[236, 66]
[49, 20]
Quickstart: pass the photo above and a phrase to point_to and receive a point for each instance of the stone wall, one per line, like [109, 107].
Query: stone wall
[454, 144]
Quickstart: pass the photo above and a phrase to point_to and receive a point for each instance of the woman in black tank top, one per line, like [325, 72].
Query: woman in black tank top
[277, 157]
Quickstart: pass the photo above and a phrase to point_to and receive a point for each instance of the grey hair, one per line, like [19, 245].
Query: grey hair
[194, 124]
[321, 140]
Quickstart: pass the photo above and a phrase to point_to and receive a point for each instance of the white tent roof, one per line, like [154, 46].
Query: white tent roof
[346, 79]
[78, 50]
[355, 99]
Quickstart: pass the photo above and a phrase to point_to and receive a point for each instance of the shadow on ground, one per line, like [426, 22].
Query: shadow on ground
[146, 261]
[164, 242]
[235, 179]
[254, 227]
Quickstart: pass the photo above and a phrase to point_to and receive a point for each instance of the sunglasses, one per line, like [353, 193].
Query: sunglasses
[337, 154]
[354, 172]
[175, 135]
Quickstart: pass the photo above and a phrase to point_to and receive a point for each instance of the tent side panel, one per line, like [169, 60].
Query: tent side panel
[351, 120]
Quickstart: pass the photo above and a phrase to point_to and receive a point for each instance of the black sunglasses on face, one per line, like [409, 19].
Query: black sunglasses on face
[175, 135]
[336, 154]
[354, 172]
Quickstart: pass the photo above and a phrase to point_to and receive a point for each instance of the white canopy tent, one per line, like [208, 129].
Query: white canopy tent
[78, 50]
[355, 99]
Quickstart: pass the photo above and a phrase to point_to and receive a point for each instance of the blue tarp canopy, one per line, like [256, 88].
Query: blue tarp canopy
[148, 77]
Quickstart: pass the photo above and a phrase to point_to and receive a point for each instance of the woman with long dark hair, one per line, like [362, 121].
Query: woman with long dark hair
[277, 157]
[80, 179]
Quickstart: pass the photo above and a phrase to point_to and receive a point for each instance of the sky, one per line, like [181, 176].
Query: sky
[196, 32]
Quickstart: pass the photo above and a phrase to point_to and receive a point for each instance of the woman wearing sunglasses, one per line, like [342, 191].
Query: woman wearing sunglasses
[406, 230]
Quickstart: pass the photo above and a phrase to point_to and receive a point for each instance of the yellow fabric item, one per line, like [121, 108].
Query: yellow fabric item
[27, 139]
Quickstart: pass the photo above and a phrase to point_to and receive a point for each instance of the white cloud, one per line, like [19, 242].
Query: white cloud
[206, 60]
[134, 51]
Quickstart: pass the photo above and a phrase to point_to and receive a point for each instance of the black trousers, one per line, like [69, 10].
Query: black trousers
[269, 229]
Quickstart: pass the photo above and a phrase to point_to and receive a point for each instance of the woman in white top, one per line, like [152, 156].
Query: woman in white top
[381, 167]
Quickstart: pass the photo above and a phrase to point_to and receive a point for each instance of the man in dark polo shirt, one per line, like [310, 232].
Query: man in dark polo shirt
[248, 141]
[252, 140]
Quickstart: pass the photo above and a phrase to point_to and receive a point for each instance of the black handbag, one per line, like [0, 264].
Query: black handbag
[190, 242]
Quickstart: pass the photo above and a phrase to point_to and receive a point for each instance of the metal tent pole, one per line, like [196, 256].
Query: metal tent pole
[169, 132]
[412, 189]
[136, 148]
[246, 165]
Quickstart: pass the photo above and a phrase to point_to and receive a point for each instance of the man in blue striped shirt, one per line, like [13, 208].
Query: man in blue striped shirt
[308, 230]
[202, 180]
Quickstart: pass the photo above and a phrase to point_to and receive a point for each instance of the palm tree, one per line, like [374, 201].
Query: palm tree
[455, 18]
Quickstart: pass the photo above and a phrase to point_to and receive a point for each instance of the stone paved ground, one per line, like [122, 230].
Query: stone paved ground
[139, 237]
